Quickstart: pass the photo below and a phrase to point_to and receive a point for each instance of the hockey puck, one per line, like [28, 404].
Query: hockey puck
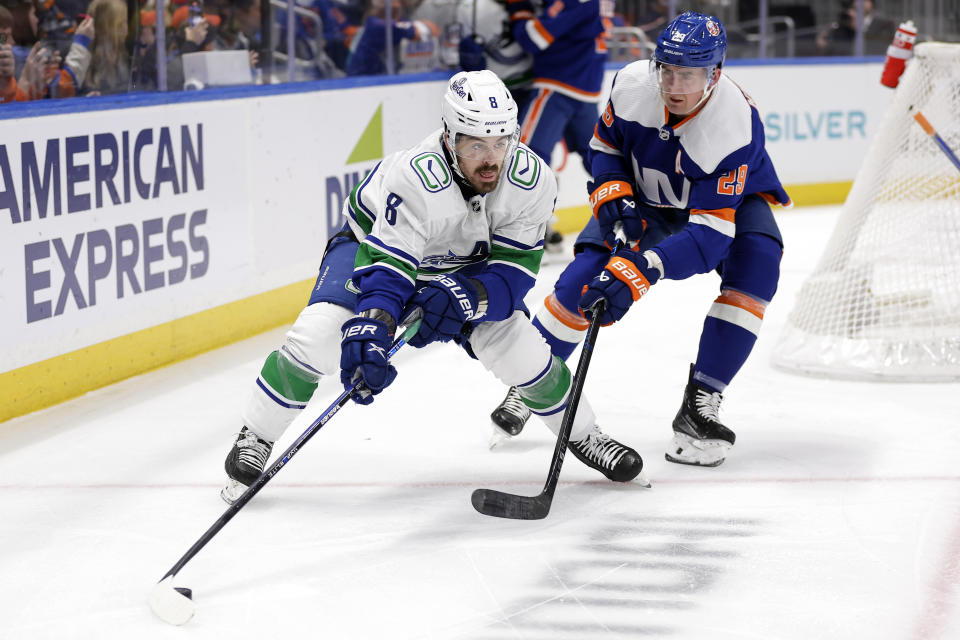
[184, 591]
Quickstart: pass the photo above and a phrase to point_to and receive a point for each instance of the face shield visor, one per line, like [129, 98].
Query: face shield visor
[677, 80]
[490, 151]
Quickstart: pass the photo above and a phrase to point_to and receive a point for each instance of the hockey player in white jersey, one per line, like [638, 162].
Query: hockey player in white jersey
[678, 159]
[453, 226]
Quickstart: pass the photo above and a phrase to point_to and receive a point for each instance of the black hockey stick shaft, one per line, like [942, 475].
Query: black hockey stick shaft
[495, 503]
[408, 328]
[566, 427]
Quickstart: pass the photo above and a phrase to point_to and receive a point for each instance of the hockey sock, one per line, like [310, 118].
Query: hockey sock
[546, 395]
[284, 376]
[547, 392]
[563, 335]
[750, 275]
[724, 346]
[282, 390]
[559, 321]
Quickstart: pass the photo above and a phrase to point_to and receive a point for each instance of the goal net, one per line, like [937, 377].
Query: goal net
[883, 302]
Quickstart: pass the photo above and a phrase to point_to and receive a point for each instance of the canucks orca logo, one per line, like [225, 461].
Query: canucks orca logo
[452, 262]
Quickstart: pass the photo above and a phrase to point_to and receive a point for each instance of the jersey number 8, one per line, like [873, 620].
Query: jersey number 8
[393, 201]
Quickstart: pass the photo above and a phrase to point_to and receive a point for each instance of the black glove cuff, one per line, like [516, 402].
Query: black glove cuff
[482, 299]
[382, 316]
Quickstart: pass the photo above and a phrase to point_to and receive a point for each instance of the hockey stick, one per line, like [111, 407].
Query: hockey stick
[174, 605]
[923, 122]
[491, 502]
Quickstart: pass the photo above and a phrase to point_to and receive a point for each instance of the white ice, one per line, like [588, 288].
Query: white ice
[836, 516]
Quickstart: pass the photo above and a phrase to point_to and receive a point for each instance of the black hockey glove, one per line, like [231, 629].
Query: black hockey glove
[627, 276]
[447, 303]
[364, 345]
[612, 202]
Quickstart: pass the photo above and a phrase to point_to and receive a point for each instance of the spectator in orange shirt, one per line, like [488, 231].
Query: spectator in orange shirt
[41, 75]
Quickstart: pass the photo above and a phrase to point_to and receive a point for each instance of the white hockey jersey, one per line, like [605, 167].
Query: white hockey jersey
[414, 224]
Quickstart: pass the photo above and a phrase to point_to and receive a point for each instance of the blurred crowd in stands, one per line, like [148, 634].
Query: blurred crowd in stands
[64, 48]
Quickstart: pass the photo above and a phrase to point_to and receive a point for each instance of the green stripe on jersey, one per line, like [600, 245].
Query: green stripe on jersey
[528, 259]
[361, 216]
[368, 254]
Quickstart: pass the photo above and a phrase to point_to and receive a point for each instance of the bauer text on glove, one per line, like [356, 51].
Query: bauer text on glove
[626, 278]
[364, 345]
[448, 303]
[612, 202]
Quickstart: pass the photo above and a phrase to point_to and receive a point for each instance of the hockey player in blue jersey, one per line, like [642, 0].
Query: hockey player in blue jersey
[569, 51]
[678, 161]
[567, 40]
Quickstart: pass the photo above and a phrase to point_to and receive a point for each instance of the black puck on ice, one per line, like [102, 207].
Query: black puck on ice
[184, 591]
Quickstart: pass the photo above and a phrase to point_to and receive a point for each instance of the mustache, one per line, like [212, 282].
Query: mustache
[488, 167]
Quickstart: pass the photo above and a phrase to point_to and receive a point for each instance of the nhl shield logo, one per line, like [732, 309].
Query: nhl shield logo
[712, 28]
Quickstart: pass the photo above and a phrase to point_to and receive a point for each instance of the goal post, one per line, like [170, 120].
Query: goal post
[883, 301]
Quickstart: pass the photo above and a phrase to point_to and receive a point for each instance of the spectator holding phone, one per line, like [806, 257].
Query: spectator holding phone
[43, 73]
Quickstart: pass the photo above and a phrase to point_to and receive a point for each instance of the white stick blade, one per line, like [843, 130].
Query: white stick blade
[170, 605]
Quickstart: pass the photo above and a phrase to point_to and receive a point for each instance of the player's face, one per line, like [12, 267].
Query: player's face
[682, 87]
[481, 159]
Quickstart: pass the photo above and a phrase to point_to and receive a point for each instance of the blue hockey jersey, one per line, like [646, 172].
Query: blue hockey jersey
[568, 46]
[705, 164]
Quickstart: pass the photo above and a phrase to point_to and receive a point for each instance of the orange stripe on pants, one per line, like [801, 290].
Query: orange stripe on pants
[533, 115]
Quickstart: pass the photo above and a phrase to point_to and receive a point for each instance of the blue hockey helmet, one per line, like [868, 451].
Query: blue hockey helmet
[692, 40]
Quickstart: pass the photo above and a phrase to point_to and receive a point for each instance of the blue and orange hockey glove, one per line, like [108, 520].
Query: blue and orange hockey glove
[626, 278]
[612, 202]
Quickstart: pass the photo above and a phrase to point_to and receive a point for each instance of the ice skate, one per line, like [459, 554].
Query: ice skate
[699, 438]
[510, 416]
[617, 461]
[244, 464]
[553, 242]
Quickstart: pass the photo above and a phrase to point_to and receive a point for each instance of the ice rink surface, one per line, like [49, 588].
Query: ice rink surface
[836, 516]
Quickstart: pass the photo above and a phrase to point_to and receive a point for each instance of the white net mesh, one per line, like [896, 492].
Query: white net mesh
[884, 300]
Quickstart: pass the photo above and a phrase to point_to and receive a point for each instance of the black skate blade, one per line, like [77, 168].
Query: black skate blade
[498, 504]
[670, 458]
[508, 426]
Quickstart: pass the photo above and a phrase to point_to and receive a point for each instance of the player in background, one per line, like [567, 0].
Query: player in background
[454, 226]
[488, 43]
[678, 159]
[568, 43]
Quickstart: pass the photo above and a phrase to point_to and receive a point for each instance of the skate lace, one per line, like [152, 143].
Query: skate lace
[601, 448]
[253, 451]
[514, 404]
[708, 404]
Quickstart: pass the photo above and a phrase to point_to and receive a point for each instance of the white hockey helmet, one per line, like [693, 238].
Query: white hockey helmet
[478, 104]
